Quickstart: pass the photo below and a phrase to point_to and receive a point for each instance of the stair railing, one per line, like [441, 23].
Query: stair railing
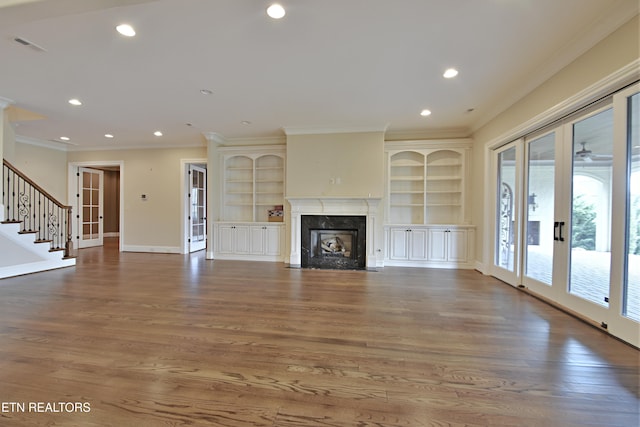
[38, 212]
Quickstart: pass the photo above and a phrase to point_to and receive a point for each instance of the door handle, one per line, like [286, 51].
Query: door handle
[560, 225]
[555, 231]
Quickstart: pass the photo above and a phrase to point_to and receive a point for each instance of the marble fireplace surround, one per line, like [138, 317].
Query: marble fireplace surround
[334, 206]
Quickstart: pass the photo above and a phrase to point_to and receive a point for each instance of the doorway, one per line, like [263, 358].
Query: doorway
[96, 201]
[194, 211]
[566, 213]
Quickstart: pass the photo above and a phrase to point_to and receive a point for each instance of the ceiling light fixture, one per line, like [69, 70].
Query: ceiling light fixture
[425, 113]
[64, 138]
[206, 92]
[75, 101]
[245, 122]
[276, 11]
[126, 30]
[157, 133]
[108, 135]
[450, 73]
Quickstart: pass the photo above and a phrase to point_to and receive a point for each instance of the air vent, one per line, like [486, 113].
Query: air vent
[26, 42]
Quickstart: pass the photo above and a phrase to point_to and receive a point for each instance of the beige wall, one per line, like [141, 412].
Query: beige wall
[47, 167]
[153, 224]
[344, 164]
[111, 201]
[8, 139]
[614, 52]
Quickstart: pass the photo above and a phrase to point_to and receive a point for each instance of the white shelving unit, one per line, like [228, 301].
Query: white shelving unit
[426, 221]
[253, 183]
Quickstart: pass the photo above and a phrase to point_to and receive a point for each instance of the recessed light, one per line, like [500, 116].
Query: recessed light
[450, 73]
[425, 113]
[64, 138]
[75, 101]
[108, 135]
[276, 11]
[206, 92]
[157, 133]
[126, 30]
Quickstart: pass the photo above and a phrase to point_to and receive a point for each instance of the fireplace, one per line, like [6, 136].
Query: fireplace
[363, 244]
[333, 242]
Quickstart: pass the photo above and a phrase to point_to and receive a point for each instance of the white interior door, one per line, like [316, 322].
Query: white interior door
[197, 199]
[507, 160]
[91, 206]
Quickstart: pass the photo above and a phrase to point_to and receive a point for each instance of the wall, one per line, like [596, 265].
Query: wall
[8, 138]
[154, 224]
[47, 167]
[111, 222]
[614, 52]
[338, 164]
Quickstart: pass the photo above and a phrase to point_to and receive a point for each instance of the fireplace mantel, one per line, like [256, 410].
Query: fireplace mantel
[334, 205]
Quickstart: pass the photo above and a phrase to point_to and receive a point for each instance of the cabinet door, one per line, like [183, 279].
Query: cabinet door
[398, 244]
[257, 239]
[457, 245]
[438, 244]
[242, 239]
[417, 244]
[272, 240]
[226, 239]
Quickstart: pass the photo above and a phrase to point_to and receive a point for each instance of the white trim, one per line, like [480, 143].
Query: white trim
[343, 205]
[5, 102]
[301, 130]
[152, 249]
[184, 210]
[590, 36]
[72, 190]
[111, 234]
[52, 145]
[606, 86]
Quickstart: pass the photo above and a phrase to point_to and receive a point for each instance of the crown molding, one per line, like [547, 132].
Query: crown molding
[586, 39]
[5, 102]
[625, 76]
[214, 137]
[302, 130]
[50, 144]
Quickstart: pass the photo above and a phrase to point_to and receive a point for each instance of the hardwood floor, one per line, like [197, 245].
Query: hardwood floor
[172, 340]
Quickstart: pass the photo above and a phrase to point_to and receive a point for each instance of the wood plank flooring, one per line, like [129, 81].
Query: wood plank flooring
[172, 340]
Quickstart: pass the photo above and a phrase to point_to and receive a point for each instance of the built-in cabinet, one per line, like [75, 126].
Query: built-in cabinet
[253, 182]
[243, 241]
[426, 215]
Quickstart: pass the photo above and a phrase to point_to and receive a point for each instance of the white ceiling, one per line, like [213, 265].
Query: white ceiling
[328, 64]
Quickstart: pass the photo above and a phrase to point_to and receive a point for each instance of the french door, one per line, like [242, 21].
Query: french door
[567, 214]
[197, 208]
[90, 206]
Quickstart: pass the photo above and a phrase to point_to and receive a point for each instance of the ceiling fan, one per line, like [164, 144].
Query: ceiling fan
[587, 155]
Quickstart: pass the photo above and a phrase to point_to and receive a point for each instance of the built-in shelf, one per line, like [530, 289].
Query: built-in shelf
[253, 184]
[426, 184]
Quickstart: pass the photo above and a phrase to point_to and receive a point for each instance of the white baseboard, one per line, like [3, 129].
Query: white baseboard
[112, 234]
[152, 249]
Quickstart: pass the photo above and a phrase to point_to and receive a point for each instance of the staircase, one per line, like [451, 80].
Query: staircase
[35, 228]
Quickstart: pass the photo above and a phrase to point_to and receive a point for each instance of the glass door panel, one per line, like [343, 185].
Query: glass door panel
[91, 207]
[631, 289]
[506, 209]
[506, 212]
[539, 209]
[198, 208]
[590, 234]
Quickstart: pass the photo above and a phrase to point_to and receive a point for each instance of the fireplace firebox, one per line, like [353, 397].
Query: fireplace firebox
[333, 242]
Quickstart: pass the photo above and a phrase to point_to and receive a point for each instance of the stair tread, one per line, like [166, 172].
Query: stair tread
[11, 221]
[43, 241]
[27, 232]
